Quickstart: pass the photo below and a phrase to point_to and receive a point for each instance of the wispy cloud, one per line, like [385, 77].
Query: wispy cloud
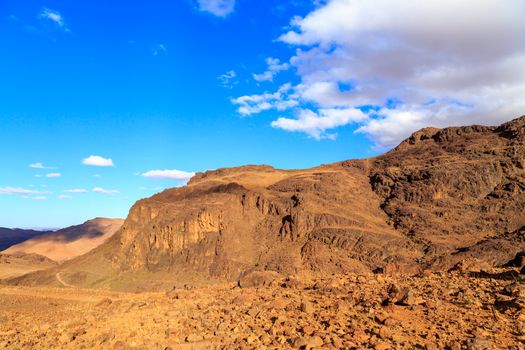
[64, 196]
[20, 190]
[76, 190]
[97, 161]
[39, 166]
[55, 17]
[104, 191]
[228, 79]
[274, 67]
[160, 49]
[37, 198]
[52, 175]
[177, 175]
[219, 8]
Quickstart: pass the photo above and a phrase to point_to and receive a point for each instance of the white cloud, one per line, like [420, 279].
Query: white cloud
[228, 79]
[443, 62]
[316, 124]
[97, 161]
[160, 49]
[281, 100]
[219, 8]
[104, 191]
[274, 67]
[177, 175]
[51, 175]
[64, 196]
[19, 190]
[55, 17]
[76, 190]
[39, 166]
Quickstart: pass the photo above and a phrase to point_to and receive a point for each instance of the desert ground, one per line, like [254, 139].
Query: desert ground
[459, 310]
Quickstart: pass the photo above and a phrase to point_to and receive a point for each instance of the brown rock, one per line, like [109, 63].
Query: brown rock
[258, 279]
[306, 307]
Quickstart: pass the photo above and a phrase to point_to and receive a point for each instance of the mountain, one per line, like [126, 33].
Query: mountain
[9, 237]
[441, 197]
[69, 242]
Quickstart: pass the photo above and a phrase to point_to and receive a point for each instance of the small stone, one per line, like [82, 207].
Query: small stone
[308, 330]
[192, 338]
[390, 322]
[384, 333]
[306, 307]
[431, 346]
[251, 339]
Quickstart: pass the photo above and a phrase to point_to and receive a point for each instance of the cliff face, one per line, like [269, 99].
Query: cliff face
[233, 220]
[441, 196]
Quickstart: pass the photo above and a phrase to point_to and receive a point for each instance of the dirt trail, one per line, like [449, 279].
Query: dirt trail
[65, 284]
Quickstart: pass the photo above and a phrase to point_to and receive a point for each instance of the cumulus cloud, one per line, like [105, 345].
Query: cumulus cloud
[274, 67]
[97, 161]
[51, 175]
[219, 8]
[20, 190]
[418, 63]
[228, 79]
[177, 175]
[55, 17]
[76, 190]
[104, 191]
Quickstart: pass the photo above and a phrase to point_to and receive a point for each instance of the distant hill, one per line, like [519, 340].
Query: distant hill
[70, 242]
[9, 237]
[19, 264]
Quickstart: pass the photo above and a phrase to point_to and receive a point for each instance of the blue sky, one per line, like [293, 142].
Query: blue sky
[189, 85]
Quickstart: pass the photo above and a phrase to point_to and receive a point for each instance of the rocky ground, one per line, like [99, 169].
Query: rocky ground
[456, 310]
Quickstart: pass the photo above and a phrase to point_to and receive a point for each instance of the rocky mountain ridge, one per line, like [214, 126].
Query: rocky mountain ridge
[440, 197]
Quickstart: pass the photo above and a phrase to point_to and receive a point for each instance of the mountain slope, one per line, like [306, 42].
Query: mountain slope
[69, 242]
[9, 237]
[440, 193]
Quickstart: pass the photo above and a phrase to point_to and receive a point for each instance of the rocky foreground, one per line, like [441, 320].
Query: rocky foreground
[457, 310]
